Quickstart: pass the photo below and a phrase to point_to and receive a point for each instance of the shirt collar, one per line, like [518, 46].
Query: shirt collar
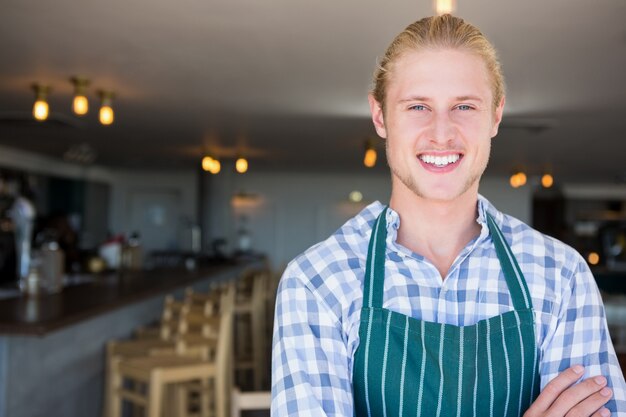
[393, 219]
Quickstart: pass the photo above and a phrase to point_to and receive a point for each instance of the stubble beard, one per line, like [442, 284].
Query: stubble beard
[409, 182]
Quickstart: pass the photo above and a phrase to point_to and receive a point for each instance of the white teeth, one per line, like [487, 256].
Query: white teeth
[440, 161]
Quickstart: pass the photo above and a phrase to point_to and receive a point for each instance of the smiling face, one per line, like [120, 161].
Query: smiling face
[438, 121]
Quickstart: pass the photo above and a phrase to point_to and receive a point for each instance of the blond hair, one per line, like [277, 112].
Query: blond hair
[439, 32]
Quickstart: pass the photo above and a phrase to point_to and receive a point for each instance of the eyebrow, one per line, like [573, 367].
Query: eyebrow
[426, 99]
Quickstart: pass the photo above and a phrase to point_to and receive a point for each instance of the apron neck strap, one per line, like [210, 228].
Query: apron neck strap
[373, 284]
[520, 296]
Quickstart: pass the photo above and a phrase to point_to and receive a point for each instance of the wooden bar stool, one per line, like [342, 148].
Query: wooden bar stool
[252, 400]
[251, 335]
[200, 363]
[178, 318]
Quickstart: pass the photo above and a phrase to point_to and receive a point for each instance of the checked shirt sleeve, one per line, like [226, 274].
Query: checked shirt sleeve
[580, 336]
[310, 371]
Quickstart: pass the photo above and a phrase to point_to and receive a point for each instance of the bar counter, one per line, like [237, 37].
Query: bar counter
[52, 346]
[96, 295]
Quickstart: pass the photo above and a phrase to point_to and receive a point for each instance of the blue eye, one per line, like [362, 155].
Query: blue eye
[464, 107]
[418, 107]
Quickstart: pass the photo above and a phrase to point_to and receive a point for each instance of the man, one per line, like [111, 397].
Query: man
[439, 304]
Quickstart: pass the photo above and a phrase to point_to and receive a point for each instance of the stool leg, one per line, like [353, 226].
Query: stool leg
[155, 396]
[204, 398]
[115, 383]
[182, 406]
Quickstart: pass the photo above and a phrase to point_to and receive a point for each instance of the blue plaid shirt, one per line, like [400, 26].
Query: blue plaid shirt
[318, 307]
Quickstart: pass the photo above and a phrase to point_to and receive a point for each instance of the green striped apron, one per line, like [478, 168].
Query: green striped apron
[408, 367]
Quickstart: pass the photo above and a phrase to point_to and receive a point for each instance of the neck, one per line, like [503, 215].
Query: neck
[437, 230]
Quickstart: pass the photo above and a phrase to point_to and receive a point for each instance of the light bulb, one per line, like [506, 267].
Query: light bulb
[547, 181]
[207, 163]
[40, 110]
[521, 178]
[370, 157]
[106, 115]
[444, 6]
[355, 196]
[80, 105]
[216, 166]
[593, 258]
[514, 181]
[241, 165]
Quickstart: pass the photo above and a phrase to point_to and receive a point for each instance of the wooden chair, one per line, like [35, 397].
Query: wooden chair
[201, 364]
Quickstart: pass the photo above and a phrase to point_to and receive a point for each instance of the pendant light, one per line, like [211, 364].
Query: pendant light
[211, 165]
[106, 114]
[445, 6]
[241, 165]
[369, 160]
[547, 180]
[518, 179]
[80, 104]
[41, 108]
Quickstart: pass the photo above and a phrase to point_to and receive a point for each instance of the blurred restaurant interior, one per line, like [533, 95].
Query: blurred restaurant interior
[218, 140]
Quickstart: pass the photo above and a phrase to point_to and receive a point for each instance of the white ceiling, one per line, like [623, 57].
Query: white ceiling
[285, 82]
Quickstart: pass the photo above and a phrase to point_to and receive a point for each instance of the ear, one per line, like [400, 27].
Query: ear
[377, 116]
[497, 117]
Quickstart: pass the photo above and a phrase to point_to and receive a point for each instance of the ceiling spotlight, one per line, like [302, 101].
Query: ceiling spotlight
[106, 111]
[445, 6]
[40, 108]
[369, 160]
[241, 165]
[80, 105]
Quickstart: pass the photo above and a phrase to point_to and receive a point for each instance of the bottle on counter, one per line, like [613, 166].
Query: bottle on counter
[32, 285]
[52, 266]
[23, 216]
[132, 254]
[244, 240]
[111, 252]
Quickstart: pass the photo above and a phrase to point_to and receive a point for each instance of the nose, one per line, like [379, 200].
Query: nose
[442, 128]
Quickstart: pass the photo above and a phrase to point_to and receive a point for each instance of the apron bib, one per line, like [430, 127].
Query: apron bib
[408, 367]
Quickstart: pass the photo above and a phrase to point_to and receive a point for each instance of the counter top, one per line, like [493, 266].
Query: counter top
[37, 316]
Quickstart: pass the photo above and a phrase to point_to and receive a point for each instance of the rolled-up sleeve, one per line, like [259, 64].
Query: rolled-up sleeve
[580, 336]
